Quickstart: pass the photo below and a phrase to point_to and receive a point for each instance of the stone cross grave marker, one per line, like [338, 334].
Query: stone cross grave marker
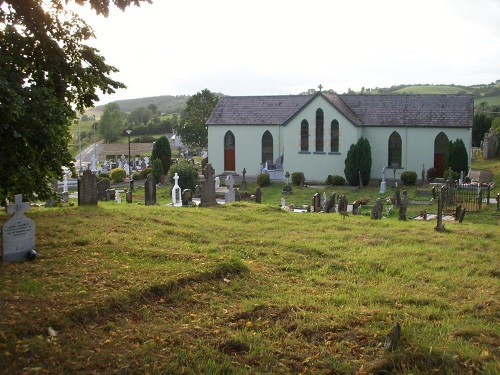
[208, 187]
[176, 192]
[18, 233]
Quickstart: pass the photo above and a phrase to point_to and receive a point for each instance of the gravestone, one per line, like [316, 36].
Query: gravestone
[383, 184]
[397, 196]
[176, 192]
[65, 197]
[118, 198]
[197, 191]
[208, 187]
[282, 203]
[237, 195]
[150, 191]
[217, 182]
[187, 197]
[128, 196]
[403, 206]
[243, 184]
[441, 200]
[377, 210]
[287, 189]
[110, 194]
[316, 203]
[342, 206]
[462, 216]
[330, 204]
[102, 187]
[230, 195]
[258, 195]
[87, 189]
[18, 233]
[355, 208]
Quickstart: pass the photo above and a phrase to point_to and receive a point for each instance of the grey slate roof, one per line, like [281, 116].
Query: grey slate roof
[412, 110]
[256, 110]
[361, 110]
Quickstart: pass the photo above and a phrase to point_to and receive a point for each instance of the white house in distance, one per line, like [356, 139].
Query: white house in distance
[313, 133]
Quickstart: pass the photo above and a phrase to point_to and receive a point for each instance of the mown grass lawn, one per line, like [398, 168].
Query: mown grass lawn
[247, 288]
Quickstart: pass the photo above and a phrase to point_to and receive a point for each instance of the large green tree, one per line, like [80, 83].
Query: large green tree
[162, 151]
[191, 128]
[47, 74]
[111, 123]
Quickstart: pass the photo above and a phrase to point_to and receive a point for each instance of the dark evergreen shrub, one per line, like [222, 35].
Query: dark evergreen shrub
[263, 179]
[359, 159]
[431, 174]
[118, 174]
[162, 151]
[337, 180]
[409, 177]
[144, 173]
[456, 157]
[136, 176]
[297, 177]
[188, 175]
[157, 169]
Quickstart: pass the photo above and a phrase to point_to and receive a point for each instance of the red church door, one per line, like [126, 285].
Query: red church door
[229, 152]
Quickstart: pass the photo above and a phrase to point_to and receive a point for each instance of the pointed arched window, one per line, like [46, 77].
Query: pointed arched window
[304, 136]
[334, 136]
[320, 129]
[395, 150]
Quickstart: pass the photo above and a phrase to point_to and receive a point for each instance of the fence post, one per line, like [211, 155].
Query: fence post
[488, 196]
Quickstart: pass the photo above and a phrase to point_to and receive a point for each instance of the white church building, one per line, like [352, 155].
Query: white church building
[313, 133]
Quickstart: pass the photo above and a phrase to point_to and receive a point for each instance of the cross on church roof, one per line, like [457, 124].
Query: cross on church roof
[18, 206]
[320, 87]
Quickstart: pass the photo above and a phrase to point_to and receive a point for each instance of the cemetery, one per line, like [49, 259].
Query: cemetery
[133, 277]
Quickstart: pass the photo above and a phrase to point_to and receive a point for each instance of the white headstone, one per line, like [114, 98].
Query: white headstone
[282, 202]
[217, 182]
[176, 192]
[18, 233]
[127, 168]
[229, 181]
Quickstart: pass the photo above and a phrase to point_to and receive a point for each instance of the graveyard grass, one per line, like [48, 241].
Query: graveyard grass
[247, 288]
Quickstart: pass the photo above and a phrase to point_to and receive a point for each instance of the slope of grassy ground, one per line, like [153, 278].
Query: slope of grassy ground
[247, 288]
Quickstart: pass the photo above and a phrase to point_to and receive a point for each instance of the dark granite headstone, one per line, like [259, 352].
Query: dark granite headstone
[316, 203]
[330, 203]
[128, 196]
[150, 191]
[102, 187]
[258, 195]
[377, 210]
[87, 189]
[187, 197]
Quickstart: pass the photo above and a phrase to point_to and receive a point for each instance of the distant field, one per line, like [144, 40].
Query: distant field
[431, 90]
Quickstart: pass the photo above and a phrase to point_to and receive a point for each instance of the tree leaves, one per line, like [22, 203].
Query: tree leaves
[47, 73]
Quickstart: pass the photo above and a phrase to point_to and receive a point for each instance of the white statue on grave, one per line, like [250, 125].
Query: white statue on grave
[176, 192]
[217, 182]
[127, 168]
[383, 183]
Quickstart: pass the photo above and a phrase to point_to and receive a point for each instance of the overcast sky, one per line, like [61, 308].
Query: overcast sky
[271, 47]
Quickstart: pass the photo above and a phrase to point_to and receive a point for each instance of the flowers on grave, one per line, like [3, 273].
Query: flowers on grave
[390, 200]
